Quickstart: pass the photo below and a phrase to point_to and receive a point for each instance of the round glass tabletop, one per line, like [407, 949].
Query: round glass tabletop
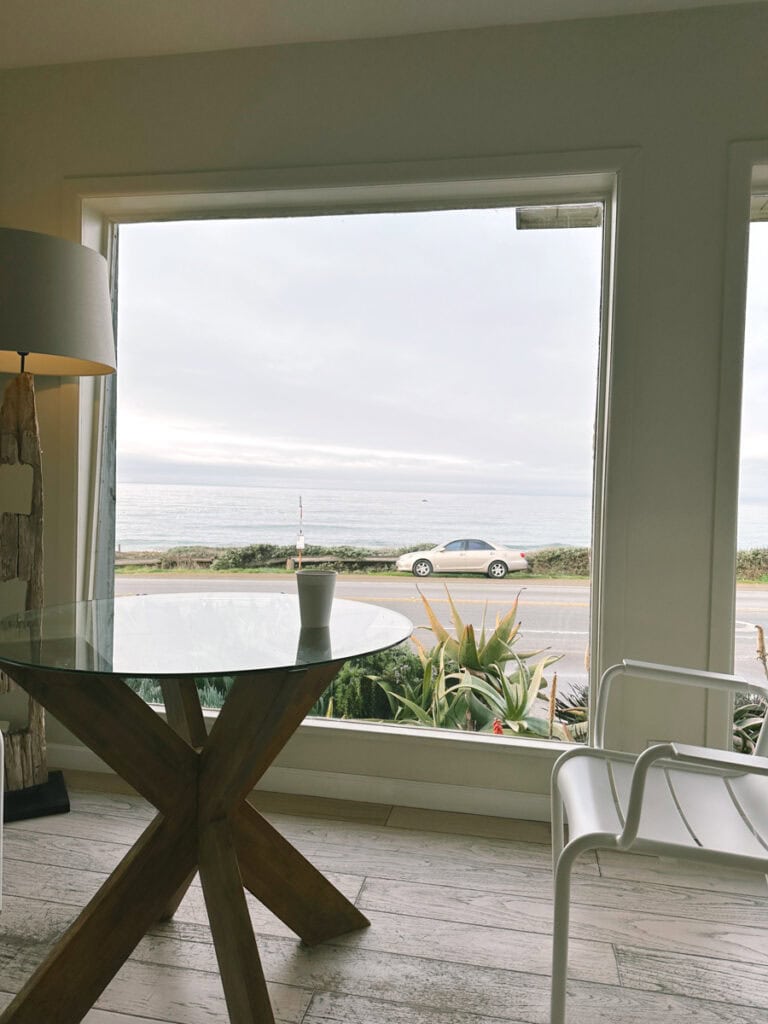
[213, 634]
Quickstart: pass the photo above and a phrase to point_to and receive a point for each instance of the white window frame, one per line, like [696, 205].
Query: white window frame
[384, 764]
[747, 177]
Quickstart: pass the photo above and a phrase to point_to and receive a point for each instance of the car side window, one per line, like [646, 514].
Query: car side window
[478, 545]
[455, 545]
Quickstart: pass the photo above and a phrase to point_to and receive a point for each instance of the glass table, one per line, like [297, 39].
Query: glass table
[77, 660]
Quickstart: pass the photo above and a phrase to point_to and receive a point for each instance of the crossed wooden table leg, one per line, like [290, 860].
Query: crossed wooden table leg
[199, 785]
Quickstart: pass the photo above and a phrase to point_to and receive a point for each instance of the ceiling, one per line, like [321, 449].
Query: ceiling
[35, 32]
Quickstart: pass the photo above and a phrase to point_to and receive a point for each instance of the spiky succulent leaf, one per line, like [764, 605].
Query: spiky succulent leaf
[423, 653]
[468, 654]
[577, 732]
[458, 624]
[497, 648]
[434, 623]
[536, 726]
[482, 641]
[538, 682]
[418, 713]
[481, 714]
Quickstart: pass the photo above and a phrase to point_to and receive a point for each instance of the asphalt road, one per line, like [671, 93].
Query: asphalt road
[554, 614]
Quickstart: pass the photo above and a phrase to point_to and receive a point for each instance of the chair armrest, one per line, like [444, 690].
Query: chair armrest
[706, 757]
[646, 670]
[681, 753]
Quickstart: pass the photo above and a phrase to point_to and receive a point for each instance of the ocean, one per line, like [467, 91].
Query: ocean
[152, 517]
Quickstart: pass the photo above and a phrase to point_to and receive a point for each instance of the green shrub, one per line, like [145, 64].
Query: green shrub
[559, 562]
[252, 556]
[257, 556]
[187, 558]
[752, 564]
[342, 557]
[356, 693]
[212, 690]
[147, 689]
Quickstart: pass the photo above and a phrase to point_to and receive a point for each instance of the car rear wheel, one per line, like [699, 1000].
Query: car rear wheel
[422, 568]
[497, 570]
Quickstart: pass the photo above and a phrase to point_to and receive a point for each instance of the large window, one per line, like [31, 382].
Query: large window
[382, 383]
[752, 566]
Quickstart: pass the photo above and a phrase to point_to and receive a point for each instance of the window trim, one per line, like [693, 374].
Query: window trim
[747, 177]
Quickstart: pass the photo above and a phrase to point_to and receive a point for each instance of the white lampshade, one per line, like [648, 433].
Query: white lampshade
[55, 305]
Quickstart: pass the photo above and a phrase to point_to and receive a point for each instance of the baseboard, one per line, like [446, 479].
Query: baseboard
[367, 788]
[434, 796]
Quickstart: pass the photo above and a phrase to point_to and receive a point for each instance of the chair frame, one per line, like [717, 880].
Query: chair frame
[671, 753]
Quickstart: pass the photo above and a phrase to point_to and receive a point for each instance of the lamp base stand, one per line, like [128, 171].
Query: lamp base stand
[49, 797]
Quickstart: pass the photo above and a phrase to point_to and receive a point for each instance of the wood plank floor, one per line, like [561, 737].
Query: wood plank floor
[460, 924]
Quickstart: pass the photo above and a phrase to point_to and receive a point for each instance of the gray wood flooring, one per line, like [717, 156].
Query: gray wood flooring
[460, 924]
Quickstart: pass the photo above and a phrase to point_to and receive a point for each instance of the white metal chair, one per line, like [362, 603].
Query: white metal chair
[673, 800]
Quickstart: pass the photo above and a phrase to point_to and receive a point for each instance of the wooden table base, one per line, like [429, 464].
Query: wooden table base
[199, 785]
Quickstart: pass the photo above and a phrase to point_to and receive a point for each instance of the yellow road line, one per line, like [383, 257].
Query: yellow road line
[472, 600]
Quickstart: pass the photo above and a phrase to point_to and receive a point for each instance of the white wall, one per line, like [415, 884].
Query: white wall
[680, 88]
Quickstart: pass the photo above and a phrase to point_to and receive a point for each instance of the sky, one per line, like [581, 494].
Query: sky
[441, 350]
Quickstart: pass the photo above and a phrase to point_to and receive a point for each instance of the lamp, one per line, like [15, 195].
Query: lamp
[55, 320]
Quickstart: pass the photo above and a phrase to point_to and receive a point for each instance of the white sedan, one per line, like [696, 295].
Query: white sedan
[464, 556]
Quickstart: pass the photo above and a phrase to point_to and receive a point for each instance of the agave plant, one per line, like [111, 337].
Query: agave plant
[512, 704]
[466, 683]
[573, 712]
[749, 709]
[464, 649]
[431, 699]
[748, 715]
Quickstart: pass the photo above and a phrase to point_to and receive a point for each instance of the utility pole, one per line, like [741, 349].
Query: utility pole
[300, 538]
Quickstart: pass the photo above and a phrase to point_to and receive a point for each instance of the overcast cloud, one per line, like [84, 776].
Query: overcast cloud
[441, 350]
[437, 350]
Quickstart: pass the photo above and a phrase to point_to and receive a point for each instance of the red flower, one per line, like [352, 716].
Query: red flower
[497, 729]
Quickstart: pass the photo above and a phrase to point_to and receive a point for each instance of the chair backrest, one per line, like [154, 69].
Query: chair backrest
[678, 676]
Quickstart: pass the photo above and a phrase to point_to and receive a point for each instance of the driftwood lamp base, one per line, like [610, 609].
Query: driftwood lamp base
[25, 754]
[21, 563]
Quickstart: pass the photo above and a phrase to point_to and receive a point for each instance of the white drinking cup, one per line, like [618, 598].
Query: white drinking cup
[315, 588]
